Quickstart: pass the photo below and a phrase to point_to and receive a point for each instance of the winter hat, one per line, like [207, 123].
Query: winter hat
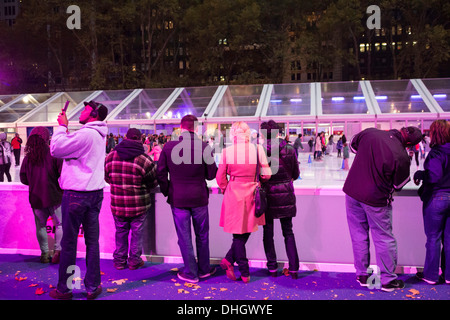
[41, 132]
[134, 134]
[2, 136]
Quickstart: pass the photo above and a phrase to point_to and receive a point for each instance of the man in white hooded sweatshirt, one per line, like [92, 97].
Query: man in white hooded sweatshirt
[82, 179]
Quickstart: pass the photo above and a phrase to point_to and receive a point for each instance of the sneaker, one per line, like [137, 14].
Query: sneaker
[119, 266]
[183, 277]
[210, 273]
[273, 273]
[294, 275]
[362, 280]
[94, 294]
[421, 276]
[44, 257]
[56, 255]
[55, 294]
[137, 266]
[393, 285]
[229, 269]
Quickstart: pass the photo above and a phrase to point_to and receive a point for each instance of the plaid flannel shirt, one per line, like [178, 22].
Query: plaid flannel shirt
[130, 182]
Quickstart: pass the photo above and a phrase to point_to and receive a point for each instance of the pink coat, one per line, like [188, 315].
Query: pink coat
[238, 209]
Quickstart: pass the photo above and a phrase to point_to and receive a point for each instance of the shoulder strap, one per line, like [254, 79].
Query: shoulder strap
[257, 164]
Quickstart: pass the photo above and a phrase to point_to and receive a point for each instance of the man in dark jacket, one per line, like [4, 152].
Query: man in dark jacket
[190, 162]
[280, 197]
[381, 166]
[131, 174]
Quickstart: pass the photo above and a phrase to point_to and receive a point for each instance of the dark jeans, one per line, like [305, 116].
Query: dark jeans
[17, 156]
[200, 220]
[289, 242]
[237, 253]
[4, 169]
[123, 227]
[80, 208]
[436, 220]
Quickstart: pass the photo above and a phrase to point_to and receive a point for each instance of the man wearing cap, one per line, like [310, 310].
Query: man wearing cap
[381, 166]
[131, 174]
[82, 179]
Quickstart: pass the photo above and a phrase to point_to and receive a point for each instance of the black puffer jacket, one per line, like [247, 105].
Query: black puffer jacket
[280, 188]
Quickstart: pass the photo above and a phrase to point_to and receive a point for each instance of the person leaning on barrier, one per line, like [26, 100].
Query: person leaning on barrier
[82, 179]
[281, 201]
[435, 194]
[189, 162]
[40, 171]
[238, 207]
[131, 174]
[381, 166]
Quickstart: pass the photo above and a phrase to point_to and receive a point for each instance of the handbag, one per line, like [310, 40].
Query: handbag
[260, 196]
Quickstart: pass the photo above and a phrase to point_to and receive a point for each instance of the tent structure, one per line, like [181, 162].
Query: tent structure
[307, 108]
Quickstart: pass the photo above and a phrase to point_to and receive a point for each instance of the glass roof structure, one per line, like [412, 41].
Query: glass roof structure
[383, 100]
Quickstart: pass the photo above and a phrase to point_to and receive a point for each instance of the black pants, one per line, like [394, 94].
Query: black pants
[289, 242]
[4, 169]
[17, 156]
[237, 253]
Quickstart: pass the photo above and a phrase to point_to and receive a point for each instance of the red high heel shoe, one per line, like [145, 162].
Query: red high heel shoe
[229, 269]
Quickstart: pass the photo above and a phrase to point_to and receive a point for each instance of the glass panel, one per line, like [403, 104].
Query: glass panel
[4, 99]
[397, 96]
[440, 89]
[22, 107]
[343, 98]
[49, 113]
[239, 101]
[110, 99]
[191, 101]
[145, 104]
[290, 99]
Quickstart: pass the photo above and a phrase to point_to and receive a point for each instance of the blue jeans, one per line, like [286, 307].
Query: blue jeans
[436, 220]
[361, 217]
[80, 208]
[123, 227]
[40, 218]
[200, 221]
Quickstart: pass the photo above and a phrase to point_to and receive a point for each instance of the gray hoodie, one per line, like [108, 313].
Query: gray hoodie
[84, 154]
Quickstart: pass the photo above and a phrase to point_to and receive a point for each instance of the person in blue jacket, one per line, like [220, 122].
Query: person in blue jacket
[435, 194]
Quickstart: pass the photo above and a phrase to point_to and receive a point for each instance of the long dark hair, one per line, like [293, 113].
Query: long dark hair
[36, 150]
[439, 132]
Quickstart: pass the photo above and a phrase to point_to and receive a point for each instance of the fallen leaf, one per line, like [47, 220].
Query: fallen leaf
[223, 289]
[207, 297]
[111, 289]
[414, 291]
[120, 281]
[39, 291]
[174, 269]
[182, 291]
[266, 298]
[177, 284]
[360, 295]
[33, 285]
[20, 278]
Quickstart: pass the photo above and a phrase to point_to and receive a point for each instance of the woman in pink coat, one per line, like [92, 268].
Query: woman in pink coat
[238, 207]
